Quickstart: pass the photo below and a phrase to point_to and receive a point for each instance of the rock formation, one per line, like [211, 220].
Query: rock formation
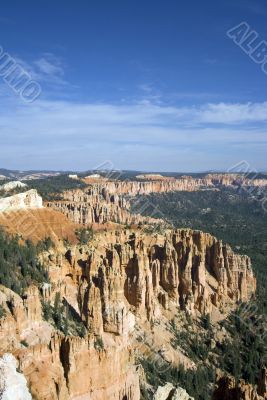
[120, 278]
[169, 392]
[105, 200]
[21, 201]
[96, 205]
[189, 268]
[228, 389]
[13, 384]
[185, 183]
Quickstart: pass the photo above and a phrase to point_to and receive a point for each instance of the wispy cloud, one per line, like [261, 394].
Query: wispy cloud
[48, 69]
[145, 87]
[226, 114]
[137, 135]
[50, 65]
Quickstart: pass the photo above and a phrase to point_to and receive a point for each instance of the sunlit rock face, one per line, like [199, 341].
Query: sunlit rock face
[22, 201]
[120, 279]
[155, 184]
[97, 205]
[13, 385]
[106, 200]
[169, 392]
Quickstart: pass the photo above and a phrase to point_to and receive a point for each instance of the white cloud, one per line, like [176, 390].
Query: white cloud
[141, 135]
[48, 68]
[233, 113]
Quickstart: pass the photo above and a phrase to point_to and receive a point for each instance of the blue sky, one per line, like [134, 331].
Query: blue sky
[147, 85]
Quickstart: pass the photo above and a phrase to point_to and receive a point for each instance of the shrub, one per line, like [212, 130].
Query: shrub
[98, 343]
[45, 245]
[63, 317]
[205, 321]
[19, 266]
[2, 312]
[84, 235]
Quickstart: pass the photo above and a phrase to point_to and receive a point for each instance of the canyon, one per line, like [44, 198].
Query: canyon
[96, 205]
[123, 288]
[121, 280]
[106, 200]
[153, 184]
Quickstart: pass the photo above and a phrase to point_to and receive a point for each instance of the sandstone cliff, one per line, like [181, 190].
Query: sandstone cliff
[96, 205]
[120, 280]
[185, 183]
[105, 200]
[229, 389]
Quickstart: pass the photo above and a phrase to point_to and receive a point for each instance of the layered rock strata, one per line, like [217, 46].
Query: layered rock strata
[185, 183]
[97, 205]
[120, 278]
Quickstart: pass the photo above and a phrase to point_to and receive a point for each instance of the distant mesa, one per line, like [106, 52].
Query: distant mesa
[39, 175]
[73, 176]
[154, 177]
[95, 178]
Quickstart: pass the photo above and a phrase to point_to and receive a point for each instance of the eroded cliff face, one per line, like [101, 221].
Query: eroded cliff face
[97, 205]
[62, 367]
[189, 268]
[120, 280]
[185, 183]
[106, 201]
[121, 284]
[229, 389]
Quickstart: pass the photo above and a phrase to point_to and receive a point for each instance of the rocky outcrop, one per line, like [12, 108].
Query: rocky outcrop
[59, 367]
[134, 188]
[229, 389]
[188, 268]
[105, 202]
[119, 279]
[72, 368]
[96, 206]
[127, 274]
[169, 392]
[13, 384]
[22, 201]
